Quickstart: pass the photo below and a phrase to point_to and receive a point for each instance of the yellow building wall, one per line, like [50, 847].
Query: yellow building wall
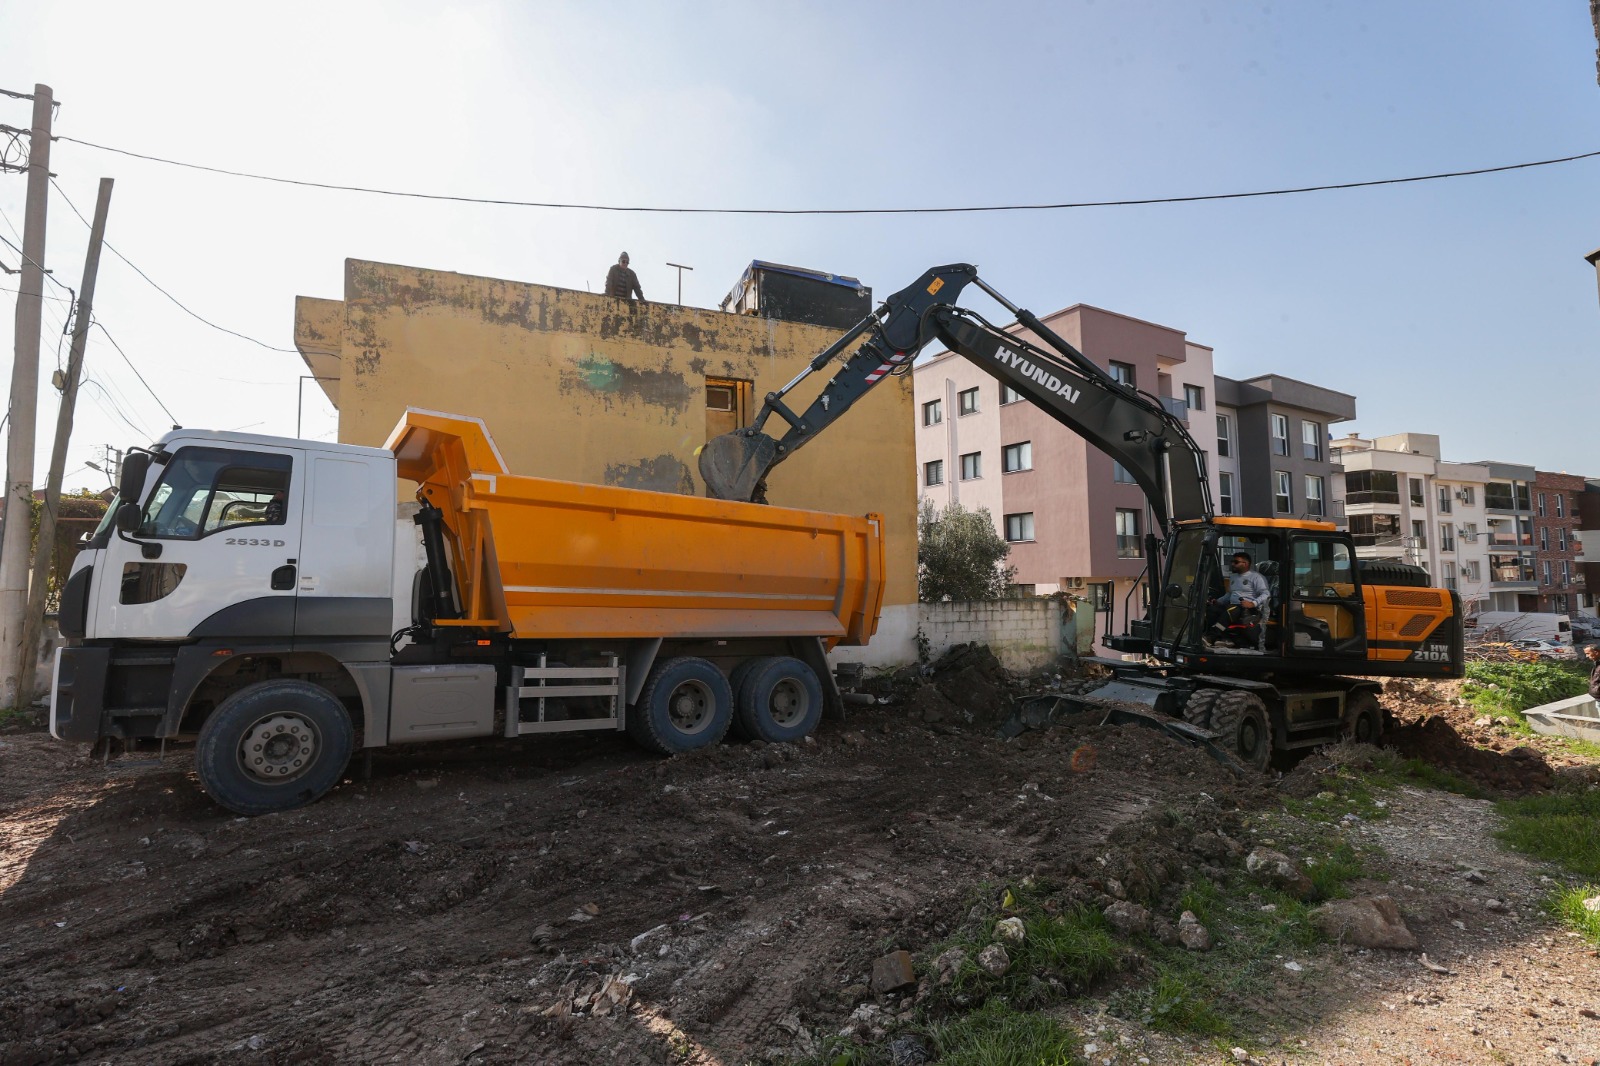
[579, 387]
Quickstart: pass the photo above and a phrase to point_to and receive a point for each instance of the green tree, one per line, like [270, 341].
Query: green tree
[959, 555]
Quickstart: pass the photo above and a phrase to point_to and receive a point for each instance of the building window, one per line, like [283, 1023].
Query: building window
[1017, 457]
[1474, 573]
[1417, 498]
[1561, 538]
[1498, 496]
[933, 473]
[1120, 475]
[1368, 530]
[1561, 603]
[971, 466]
[1224, 436]
[967, 402]
[1541, 505]
[1314, 506]
[1546, 568]
[1566, 573]
[1469, 495]
[1311, 440]
[1371, 486]
[1444, 499]
[1419, 535]
[933, 412]
[1195, 397]
[1019, 527]
[1561, 506]
[1122, 374]
[1449, 579]
[1283, 499]
[1469, 531]
[1225, 492]
[1008, 394]
[1280, 435]
[1129, 546]
[1544, 538]
[1447, 537]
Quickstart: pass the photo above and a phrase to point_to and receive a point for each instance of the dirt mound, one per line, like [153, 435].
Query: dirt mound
[1435, 740]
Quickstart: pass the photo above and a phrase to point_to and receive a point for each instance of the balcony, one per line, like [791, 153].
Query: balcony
[1354, 499]
[1175, 407]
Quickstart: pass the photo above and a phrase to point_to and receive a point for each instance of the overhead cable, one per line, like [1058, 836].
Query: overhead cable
[102, 327]
[974, 209]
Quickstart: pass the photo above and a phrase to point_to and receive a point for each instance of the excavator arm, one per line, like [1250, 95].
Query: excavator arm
[1131, 427]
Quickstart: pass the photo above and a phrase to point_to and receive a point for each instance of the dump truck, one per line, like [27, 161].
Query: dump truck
[270, 601]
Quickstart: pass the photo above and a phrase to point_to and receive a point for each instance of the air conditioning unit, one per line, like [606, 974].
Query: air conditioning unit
[1461, 496]
[1465, 570]
[1072, 582]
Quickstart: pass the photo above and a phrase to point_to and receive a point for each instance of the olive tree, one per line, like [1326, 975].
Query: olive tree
[959, 555]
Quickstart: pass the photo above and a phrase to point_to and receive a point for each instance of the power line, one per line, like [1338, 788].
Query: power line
[125, 359]
[112, 408]
[830, 210]
[181, 306]
[57, 299]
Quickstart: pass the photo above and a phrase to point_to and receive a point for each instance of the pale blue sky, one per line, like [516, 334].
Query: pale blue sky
[1461, 308]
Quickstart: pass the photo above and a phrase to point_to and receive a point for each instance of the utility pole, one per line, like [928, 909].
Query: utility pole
[24, 414]
[33, 620]
[681, 268]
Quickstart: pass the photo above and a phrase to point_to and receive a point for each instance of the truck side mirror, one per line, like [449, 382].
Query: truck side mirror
[127, 516]
[135, 465]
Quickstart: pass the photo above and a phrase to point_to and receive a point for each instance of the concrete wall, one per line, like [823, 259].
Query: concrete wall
[584, 388]
[1023, 634]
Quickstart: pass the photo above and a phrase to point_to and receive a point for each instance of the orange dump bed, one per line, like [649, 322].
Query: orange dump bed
[555, 559]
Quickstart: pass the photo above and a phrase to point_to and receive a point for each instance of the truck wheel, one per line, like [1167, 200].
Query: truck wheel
[1363, 718]
[736, 681]
[685, 704]
[780, 700]
[1243, 729]
[273, 746]
[1198, 708]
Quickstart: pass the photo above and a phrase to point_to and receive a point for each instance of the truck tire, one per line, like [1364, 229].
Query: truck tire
[273, 746]
[780, 701]
[685, 704]
[1197, 710]
[1363, 718]
[1243, 728]
[736, 680]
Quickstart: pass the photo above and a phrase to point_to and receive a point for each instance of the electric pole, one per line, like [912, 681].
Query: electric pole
[24, 414]
[33, 620]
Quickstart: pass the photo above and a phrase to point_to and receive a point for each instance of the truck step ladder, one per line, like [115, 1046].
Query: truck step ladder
[533, 683]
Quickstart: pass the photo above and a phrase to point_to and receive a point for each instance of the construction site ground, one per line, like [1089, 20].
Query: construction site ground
[578, 901]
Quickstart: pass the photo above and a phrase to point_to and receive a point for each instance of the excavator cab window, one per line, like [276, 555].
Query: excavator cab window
[1326, 615]
[1184, 594]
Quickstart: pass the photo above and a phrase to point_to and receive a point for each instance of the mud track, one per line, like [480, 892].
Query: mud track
[452, 908]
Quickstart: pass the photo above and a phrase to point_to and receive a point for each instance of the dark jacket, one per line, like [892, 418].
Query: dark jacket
[622, 282]
[1594, 681]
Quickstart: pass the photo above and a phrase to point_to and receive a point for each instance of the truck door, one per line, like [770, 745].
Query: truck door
[347, 549]
[215, 551]
[1325, 615]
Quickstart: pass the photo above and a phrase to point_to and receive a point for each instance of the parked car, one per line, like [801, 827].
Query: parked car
[1543, 647]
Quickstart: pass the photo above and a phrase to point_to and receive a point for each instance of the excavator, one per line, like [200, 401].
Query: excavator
[1303, 669]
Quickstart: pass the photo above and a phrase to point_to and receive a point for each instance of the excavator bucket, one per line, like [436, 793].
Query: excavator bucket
[734, 465]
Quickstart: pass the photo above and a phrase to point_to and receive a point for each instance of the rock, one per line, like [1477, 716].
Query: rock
[1277, 869]
[908, 1050]
[1499, 906]
[949, 964]
[1369, 922]
[1209, 846]
[1011, 929]
[1592, 904]
[1473, 877]
[1128, 918]
[1115, 888]
[1191, 934]
[1165, 932]
[994, 960]
[892, 971]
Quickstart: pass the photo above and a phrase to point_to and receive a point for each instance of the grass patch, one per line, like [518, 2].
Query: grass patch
[1173, 1006]
[1567, 905]
[1559, 827]
[1509, 688]
[997, 1035]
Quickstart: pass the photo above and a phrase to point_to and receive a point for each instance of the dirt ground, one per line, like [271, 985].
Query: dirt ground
[715, 908]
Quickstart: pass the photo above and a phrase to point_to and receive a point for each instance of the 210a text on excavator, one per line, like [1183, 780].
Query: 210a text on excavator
[1300, 673]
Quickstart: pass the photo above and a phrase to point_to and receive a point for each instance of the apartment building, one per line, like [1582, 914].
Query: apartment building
[1272, 446]
[1071, 514]
[1508, 506]
[1556, 503]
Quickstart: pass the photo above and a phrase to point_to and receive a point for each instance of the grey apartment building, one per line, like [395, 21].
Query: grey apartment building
[1272, 447]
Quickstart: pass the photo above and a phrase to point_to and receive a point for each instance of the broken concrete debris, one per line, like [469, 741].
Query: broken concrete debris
[1191, 934]
[892, 971]
[994, 960]
[1278, 870]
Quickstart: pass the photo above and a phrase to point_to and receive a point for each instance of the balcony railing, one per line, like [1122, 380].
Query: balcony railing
[1176, 407]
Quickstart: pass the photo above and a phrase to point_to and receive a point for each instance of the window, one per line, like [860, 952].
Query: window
[1449, 578]
[1566, 573]
[1008, 394]
[1444, 499]
[1417, 498]
[1498, 495]
[933, 412]
[207, 490]
[1371, 529]
[967, 402]
[1561, 603]
[1019, 527]
[1447, 537]
[1541, 505]
[1474, 572]
[1280, 435]
[933, 473]
[1129, 545]
[1314, 505]
[1522, 496]
[1469, 531]
[971, 466]
[1120, 475]
[1419, 534]
[1544, 538]
[1311, 440]
[1122, 373]
[1195, 397]
[1225, 492]
[1561, 538]
[1469, 495]
[1371, 486]
[1283, 499]
[1224, 436]
[1561, 505]
[1017, 457]
[1546, 568]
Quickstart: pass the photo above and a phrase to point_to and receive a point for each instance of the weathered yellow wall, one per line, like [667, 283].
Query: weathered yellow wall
[318, 326]
[574, 386]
